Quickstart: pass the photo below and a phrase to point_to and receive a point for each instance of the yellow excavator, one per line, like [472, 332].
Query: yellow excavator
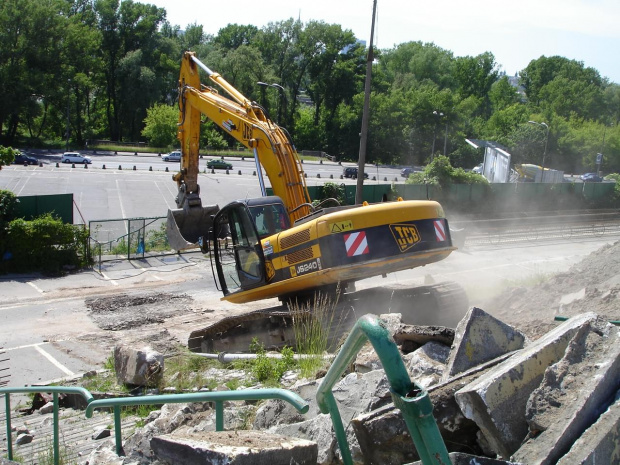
[279, 246]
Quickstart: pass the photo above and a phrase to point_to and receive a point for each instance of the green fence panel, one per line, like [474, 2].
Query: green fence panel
[32, 206]
[597, 190]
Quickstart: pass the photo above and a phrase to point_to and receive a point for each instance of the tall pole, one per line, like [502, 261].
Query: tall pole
[68, 109]
[445, 142]
[365, 115]
[546, 126]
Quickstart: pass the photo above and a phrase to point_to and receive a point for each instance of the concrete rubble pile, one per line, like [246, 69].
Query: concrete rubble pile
[497, 396]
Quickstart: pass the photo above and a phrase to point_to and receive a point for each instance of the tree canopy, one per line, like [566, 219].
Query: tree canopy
[105, 69]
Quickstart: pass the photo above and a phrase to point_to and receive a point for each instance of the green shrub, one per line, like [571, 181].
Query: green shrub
[45, 244]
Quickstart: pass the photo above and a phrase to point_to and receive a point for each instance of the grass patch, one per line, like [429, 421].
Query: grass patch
[312, 323]
[269, 370]
[184, 372]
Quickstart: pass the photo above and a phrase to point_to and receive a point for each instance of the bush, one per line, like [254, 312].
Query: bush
[7, 155]
[45, 244]
[8, 205]
[441, 173]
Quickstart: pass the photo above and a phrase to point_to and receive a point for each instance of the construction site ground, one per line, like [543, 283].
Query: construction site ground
[59, 328]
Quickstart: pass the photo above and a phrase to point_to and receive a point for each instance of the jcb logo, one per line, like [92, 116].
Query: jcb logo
[406, 235]
[247, 131]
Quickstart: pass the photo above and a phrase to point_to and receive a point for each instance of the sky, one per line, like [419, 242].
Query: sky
[515, 32]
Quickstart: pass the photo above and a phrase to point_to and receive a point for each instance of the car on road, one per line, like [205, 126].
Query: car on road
[23, 159]
[590, 177]
[172, 156]
[405, 172]
[219, 164]
[351, 172]
[74, 157]
[478, 168]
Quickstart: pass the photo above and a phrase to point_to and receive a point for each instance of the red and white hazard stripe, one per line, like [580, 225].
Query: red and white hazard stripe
[440, 230]
[356, 243]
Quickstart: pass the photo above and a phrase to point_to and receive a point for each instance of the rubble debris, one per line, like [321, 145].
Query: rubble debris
[479, 337]
[138, 367]
[459, 458]
[47, 408]
[426, 365]
[600, 443]
[572, 395]
[105, 454]
[233, 448]
[497, 400]
[24, 439]
[410, 337]
[355, 393]
[101, 433]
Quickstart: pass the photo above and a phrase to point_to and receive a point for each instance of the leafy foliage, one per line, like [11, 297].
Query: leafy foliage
[161, 125]
[108, 69]
[45, 244]
[7, 155]
[441, 173]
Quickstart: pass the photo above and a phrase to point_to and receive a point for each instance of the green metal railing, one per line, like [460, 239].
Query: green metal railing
[217, 397]
[411, 399]
[116, 403]
[55, 390]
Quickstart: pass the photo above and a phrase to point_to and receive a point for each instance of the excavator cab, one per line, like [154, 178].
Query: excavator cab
[237, 249]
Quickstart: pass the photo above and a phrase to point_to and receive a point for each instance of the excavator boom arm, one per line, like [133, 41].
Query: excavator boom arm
[248, 124]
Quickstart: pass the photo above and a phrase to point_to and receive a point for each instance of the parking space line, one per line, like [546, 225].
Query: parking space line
[35, 286]
[54, 362]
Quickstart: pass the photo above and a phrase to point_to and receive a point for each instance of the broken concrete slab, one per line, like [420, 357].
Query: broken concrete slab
[233, 448]
[427, 364]
[599, 444]
[384, 438]
[480, 337]
[497, 400]
[572, 395]
[415, 336]
[138, 367]
[460, 458]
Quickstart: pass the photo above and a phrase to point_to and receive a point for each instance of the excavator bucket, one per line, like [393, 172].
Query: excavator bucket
[184, 227]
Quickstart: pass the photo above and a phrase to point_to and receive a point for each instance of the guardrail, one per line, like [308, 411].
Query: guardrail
[116, 403]
[217, 397]
[55, 390]
[411, 399]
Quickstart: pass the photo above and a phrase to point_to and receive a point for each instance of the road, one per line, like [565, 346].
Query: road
[119, 191]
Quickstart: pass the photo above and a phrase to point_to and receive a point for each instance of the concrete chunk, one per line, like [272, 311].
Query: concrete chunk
[572, 395]
[459, 458]
[233, 448]
[139, 367]
[479, 337]
[497, 400]
[426, 364]
[600, 444]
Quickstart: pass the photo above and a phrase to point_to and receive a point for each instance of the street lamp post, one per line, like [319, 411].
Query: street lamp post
[438, 114]
[542, 173]
[281, 94]
[68, 109]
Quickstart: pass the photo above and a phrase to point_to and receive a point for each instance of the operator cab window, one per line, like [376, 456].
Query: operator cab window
[269, 219]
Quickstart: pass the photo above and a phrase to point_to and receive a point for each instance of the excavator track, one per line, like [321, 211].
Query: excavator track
[442, 304]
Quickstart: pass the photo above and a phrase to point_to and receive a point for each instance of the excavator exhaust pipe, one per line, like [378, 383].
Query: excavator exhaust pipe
[185, 226]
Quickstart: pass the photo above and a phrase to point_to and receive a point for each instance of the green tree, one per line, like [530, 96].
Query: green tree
[7, 155]
[160, 125]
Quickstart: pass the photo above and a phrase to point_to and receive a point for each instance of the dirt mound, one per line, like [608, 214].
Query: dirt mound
[130, 311]
[592, 285]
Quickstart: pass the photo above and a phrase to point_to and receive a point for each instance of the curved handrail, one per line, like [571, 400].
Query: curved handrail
[55, 390]
[409, 397]
[218, 397]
